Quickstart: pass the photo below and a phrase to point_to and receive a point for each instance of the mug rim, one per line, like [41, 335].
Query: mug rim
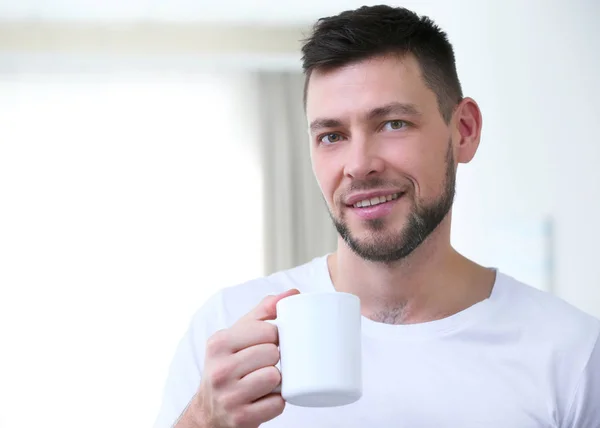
[307, 295]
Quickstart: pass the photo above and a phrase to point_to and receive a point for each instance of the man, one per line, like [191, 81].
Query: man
[446, 342]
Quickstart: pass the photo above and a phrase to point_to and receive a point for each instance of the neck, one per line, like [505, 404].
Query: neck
[433, 282]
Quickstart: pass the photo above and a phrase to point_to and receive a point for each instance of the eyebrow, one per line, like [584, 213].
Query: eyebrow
[378, 112]
[394, 108]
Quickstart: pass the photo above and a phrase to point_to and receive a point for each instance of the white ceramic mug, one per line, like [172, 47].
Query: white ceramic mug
[320, 349]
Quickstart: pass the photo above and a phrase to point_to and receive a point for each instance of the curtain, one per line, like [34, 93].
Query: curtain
[297, 225]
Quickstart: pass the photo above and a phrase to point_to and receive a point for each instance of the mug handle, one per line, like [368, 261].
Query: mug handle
[277, 389]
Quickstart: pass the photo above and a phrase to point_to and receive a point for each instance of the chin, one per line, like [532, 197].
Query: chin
[387, 225]
[376, 236]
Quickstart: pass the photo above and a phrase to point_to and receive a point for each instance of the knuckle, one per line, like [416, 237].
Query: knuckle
[268, 333]
[278, 404]
[274, 334]
[219, 375]
[272, 375]
[217, 342]
[272, 353]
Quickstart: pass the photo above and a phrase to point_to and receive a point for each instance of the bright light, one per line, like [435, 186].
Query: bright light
[125, 203]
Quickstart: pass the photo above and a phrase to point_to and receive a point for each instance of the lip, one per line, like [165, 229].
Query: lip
[357, 197]
[375, 211]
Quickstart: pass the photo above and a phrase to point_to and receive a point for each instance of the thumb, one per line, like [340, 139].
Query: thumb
[266, 309]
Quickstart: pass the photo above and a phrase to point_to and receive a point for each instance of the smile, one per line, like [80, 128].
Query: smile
[376, 200]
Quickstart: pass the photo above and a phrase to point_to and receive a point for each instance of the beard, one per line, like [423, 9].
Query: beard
[393, 246]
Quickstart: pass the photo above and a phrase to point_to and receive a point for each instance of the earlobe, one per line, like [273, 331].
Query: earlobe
[468, 127]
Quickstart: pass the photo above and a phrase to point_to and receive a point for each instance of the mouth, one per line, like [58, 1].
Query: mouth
[377, 200]
[375, 207]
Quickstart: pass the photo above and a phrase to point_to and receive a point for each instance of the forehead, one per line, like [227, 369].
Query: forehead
[359, 87]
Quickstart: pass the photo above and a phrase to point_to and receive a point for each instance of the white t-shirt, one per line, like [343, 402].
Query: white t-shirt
[520, 359]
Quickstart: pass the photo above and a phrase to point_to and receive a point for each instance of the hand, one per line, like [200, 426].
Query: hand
[236, 390]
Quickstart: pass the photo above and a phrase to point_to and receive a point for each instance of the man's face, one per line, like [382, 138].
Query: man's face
[382, 155]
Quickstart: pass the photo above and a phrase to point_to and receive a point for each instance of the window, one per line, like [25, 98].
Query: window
[126, 201]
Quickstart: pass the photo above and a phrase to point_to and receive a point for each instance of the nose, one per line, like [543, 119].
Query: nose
[362, 161]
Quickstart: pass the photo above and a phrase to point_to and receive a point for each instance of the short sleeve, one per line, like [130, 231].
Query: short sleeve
[584, 410]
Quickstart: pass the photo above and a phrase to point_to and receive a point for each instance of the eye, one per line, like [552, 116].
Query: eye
[394, 125]
[330, 138]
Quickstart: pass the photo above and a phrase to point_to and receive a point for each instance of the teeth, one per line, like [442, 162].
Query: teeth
[375, 201]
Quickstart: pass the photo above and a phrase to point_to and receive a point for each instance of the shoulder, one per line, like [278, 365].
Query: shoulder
[562, 337]
[550, 317]
[545, 318]
[230, 303]
[560, 340]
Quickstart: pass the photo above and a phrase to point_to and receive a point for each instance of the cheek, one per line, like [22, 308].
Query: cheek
[422, 164]
[432, 178]
[325, 175]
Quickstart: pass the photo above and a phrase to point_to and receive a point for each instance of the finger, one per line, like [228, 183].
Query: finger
[266, 408]
[266, 310]
[251, 333]
[255, 357]
[248, 330]
[258, 383]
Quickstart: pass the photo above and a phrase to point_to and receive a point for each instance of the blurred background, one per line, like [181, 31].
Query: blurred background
[153, 152]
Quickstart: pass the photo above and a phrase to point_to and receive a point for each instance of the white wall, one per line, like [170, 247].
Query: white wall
[572, 104]
[263, 12]
[504, 191]
[532, 66]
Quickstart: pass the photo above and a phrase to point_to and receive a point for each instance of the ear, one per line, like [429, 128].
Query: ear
[467, 124]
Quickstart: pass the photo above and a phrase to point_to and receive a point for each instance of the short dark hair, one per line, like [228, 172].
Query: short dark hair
[371, 31]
